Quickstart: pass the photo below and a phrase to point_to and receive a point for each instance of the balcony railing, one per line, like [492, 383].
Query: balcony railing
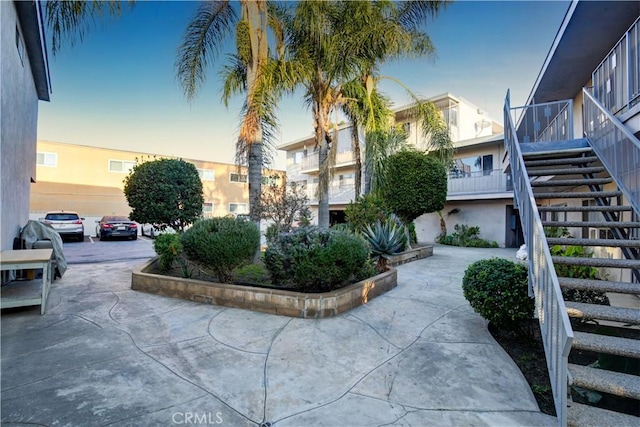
[482, 182]
[310, 161]
[616, 81]
[616, 146]
[339, 193]
[546, 122]
[557, 335]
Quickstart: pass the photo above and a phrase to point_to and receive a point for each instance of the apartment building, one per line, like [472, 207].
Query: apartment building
[90, 181]
[24, 82]
[479, 192]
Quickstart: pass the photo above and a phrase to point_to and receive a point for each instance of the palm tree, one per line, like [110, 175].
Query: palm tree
[333, 43]
[245, 72]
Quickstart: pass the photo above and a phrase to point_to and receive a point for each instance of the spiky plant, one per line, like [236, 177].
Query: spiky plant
[385, 239]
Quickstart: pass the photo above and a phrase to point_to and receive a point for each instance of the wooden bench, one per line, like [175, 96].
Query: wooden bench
[26, 293]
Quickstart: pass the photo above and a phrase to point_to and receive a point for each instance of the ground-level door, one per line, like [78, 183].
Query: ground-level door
[336, 217]
[513, 237]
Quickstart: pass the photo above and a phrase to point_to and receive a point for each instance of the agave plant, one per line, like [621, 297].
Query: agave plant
[385, 239]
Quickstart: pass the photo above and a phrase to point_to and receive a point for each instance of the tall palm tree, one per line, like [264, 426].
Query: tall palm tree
[212, 25]
[333, 43]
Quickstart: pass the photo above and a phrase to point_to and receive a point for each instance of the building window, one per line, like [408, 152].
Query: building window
[207, 209]
[472, 166]
[270, 180]
[238, 208]
[297, 157]
[238, 177]
[121, 166]
[20, 45]
[47, 159]
[451, 116]
[207, 174]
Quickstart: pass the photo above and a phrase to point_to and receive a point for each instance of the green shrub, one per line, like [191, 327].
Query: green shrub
[467, 237]
[312, 259]
[412, 233]
[169, 248]
[578, 272]
[251, 273]
[385, 239]
[365, 210]
[222, 244]
[497, 289]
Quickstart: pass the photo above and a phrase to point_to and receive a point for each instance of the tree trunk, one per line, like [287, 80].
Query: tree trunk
[355, 147]
[323, 186]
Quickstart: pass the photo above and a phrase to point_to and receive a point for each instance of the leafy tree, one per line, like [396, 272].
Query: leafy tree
[284, 204]
[164, 192]
[416, 184]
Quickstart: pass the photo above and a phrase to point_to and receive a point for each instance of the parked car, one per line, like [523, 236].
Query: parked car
[116, 226]
[150, 230]
[67, 224]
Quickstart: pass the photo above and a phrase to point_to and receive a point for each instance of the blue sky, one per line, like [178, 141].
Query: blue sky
[117, 87]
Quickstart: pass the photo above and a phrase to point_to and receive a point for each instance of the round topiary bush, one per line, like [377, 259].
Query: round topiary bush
[312, 259]
[496, 288]
[222, 244]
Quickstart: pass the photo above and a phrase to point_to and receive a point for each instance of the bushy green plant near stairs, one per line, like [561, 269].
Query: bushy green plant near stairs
[578, 272]
[497, 289]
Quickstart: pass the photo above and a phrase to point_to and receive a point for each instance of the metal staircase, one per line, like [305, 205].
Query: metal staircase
[568, 184]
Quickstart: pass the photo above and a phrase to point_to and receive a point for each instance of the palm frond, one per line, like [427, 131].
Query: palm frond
[71, 19]
[202, 41]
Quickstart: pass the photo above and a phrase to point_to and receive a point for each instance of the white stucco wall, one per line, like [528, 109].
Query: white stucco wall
[489, 215]
[18, 129]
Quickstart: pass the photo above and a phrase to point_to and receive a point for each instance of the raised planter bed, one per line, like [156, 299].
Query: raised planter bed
[416, 253]
[275, 301]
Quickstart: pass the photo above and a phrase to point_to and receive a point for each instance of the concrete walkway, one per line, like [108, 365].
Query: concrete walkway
[104, 354]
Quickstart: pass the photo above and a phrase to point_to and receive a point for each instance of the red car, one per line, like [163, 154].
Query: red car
[116, 226]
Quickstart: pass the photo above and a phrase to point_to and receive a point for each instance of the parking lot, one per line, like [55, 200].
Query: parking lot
[92, 250]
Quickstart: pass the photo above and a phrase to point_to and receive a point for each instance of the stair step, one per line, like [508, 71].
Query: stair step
[580, 415]
[602, 312]
[599, 285]
[578, 195]
[571, 182]
[613, 243]
[596, 224]
[597, 262]
[556, 148]
[566, 171]
[606, 344]
[615, 383]
[585, 208]
[563, 161]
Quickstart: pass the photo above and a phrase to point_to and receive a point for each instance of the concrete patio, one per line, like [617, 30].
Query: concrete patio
[104, 354]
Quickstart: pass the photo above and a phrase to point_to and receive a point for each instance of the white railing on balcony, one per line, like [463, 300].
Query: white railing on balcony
[481, 182]
[545, 122]
[616, 81]
[615, 145]
[557, 334]
[310, 161]
[339, 193]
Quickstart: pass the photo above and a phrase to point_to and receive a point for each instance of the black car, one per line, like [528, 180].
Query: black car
[116, 226]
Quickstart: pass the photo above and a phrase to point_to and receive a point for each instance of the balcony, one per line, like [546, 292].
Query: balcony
[309, 163]
[481, 183]
[339, 193]
[616, 81]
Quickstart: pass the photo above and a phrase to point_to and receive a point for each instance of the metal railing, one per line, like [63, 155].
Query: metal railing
[340, 193]
[615, 145]
[545, 122]
[342, 158]
[481, 182]
[616, 80]
[555, 327]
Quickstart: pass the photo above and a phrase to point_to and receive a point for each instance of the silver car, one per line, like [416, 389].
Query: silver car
[67, 224]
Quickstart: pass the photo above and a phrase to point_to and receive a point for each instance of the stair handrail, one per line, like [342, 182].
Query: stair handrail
[615, 145]
[555, 328]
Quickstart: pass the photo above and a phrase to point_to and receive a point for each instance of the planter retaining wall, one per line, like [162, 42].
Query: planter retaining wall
[274, 301]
